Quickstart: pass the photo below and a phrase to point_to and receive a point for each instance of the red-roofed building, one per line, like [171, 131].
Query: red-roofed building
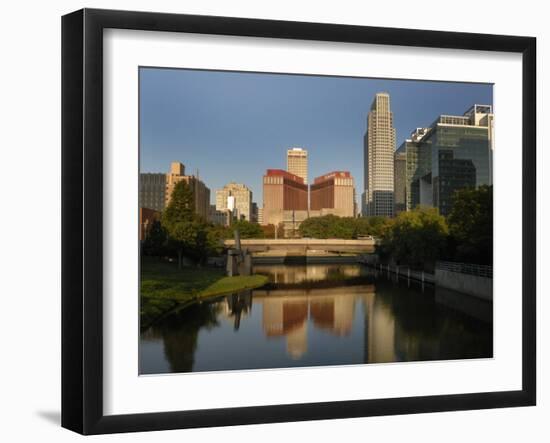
[283, 173]
[283, 191]
[334, 191]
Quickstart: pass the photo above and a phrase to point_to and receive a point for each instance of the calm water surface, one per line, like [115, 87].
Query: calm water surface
[319, 315]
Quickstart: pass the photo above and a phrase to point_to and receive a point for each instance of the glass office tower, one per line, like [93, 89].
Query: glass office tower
[418, 164]
[455, 152]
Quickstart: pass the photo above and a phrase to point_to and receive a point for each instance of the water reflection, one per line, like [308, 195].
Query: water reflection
[237, 306]
[287, 313]
[281, 274]
[318, 315]
[178, 334]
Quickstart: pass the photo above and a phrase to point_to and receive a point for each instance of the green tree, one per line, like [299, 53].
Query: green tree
[374, 225]
[155, 242]
[379, 225]
[186, 234]
[320, 227]
[471, 225]
[246, 229]
[416, 238]
[332, 226]
[215, 234]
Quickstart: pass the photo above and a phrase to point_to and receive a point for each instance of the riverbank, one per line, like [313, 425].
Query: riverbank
[164, 287]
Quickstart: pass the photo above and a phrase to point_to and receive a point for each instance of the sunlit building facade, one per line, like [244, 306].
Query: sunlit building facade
[334, 192]
[296, 162]
[379, 147]
[282, 191]
[237, 198]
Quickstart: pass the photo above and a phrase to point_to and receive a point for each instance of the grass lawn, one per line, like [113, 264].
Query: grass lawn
[164, 286]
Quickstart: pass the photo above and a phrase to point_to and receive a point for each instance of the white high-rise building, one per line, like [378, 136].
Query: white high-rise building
[379, 148]
[296, 162]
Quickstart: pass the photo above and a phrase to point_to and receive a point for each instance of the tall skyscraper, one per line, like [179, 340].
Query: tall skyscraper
[379, 147]
[237, 198]
[334, 193]
[296, 162]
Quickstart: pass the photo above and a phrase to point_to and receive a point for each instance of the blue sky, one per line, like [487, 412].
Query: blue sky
[232, 126]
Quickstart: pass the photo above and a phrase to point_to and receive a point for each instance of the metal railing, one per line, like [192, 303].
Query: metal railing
[400, 271]
[466, 268]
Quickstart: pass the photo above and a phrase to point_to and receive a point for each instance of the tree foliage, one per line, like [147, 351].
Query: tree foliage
[471, 225]
[375, 225]
[190, 235]
[328, 226]
[269, 231]
[155, 242]
[416, 238]
[332, 226]
[186, 231]
[246, 229]
[215, 235]
[181, 208]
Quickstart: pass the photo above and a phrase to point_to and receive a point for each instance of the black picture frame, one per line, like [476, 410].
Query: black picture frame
[82, 232]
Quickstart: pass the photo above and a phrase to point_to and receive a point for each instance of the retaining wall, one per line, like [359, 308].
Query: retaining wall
[481, 287]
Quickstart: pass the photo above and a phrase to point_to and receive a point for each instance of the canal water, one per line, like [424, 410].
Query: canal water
[319, 315]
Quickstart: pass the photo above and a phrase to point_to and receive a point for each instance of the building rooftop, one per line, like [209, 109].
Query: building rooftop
[283, 173]
[479, 109]
[467, 119]
[333, 174]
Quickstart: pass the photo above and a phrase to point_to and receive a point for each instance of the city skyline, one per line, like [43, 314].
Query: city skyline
[272, 107]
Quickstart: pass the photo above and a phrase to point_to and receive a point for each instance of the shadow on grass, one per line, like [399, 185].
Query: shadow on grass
[164, 287]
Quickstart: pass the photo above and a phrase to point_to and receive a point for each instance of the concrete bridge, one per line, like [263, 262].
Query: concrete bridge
[305, 246]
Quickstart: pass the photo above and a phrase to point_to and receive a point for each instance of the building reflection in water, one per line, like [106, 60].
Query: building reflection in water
[236, 307]
[301, 274]
[288, 313]
[379, 331]
[366, 321]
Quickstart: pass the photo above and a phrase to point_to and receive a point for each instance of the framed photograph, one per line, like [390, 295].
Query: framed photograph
[268, 221]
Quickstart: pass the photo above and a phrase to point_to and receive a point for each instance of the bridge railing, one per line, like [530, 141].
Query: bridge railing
[466, 268]
[303, 241]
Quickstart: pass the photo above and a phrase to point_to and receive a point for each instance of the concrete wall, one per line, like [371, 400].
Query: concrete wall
[481, 287]
[475, 307]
